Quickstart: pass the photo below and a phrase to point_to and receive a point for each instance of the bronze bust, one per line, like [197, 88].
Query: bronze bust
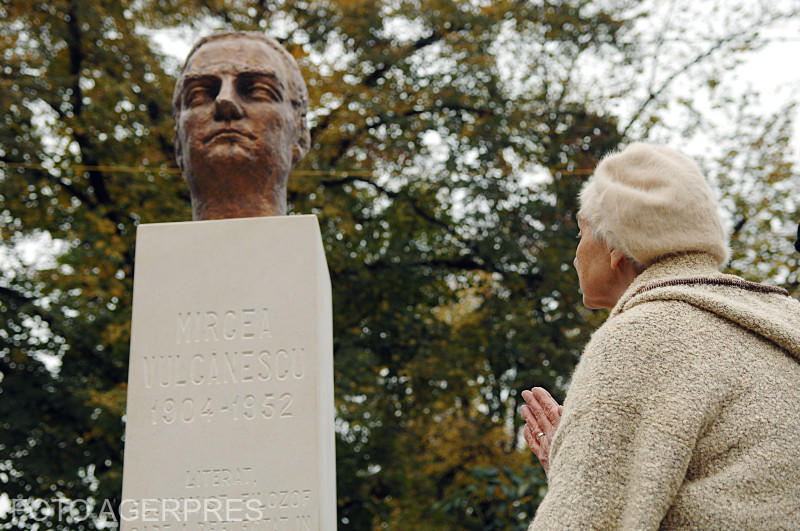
[240, 107]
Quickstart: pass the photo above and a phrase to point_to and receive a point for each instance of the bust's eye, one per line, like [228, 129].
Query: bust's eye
[199, 94]
[259, 88]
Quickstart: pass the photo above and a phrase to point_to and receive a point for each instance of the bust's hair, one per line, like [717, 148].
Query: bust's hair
[298, 93]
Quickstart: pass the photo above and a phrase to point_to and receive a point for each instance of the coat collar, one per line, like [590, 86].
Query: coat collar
[683, 265]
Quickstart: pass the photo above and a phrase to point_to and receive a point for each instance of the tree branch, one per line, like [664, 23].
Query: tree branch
[653, 96]
[474, 260]
[372, 79]
[76, 58]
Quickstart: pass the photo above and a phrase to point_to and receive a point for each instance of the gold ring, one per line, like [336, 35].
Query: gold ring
[539, 436]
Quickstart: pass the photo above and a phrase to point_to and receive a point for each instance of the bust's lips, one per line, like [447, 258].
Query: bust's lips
[228, 132]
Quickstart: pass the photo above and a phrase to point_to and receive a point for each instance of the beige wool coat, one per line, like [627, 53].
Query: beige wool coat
[684, 411]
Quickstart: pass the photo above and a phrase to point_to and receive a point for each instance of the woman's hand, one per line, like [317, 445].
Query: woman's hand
[542, 415]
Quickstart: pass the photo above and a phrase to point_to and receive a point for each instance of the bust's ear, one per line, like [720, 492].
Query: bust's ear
[301, 146]
[178, 151]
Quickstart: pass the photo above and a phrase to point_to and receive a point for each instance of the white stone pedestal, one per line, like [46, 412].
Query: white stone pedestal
[230, 415]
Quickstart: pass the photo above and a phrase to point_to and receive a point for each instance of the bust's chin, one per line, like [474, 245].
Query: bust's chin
[225, 154]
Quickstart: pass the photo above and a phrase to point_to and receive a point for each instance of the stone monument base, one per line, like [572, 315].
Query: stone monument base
[230, 415]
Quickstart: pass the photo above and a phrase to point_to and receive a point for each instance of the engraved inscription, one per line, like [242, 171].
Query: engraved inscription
[220, 477]
[224, 498]
[239, 407]
[228, 367]
[228, 325]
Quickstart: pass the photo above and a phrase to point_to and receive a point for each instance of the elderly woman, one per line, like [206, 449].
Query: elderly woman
[684, 411]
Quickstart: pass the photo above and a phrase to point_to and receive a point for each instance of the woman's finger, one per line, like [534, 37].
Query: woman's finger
[527, 396]
[533, 441]
[532, 423]
[535, 444]
[536, 409]
[541, 417]
[551, 408]
[527, 414]
[532, 430]
[529, 438]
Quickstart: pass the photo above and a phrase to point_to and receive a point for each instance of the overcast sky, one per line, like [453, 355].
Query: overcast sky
[771, 71]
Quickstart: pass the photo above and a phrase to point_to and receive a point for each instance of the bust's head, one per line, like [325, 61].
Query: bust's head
[240, 107]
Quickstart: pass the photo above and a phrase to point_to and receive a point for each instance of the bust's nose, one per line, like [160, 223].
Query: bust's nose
[226, 104]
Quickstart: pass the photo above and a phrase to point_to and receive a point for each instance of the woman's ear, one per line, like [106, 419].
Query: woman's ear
[617, 258]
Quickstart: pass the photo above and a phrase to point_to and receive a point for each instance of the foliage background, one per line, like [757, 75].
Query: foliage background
[449, 141]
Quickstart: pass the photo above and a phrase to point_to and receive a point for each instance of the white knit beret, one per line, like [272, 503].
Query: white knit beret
[649, 201]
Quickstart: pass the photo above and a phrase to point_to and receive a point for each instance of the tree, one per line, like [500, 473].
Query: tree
[449, 141]
[82, 91]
